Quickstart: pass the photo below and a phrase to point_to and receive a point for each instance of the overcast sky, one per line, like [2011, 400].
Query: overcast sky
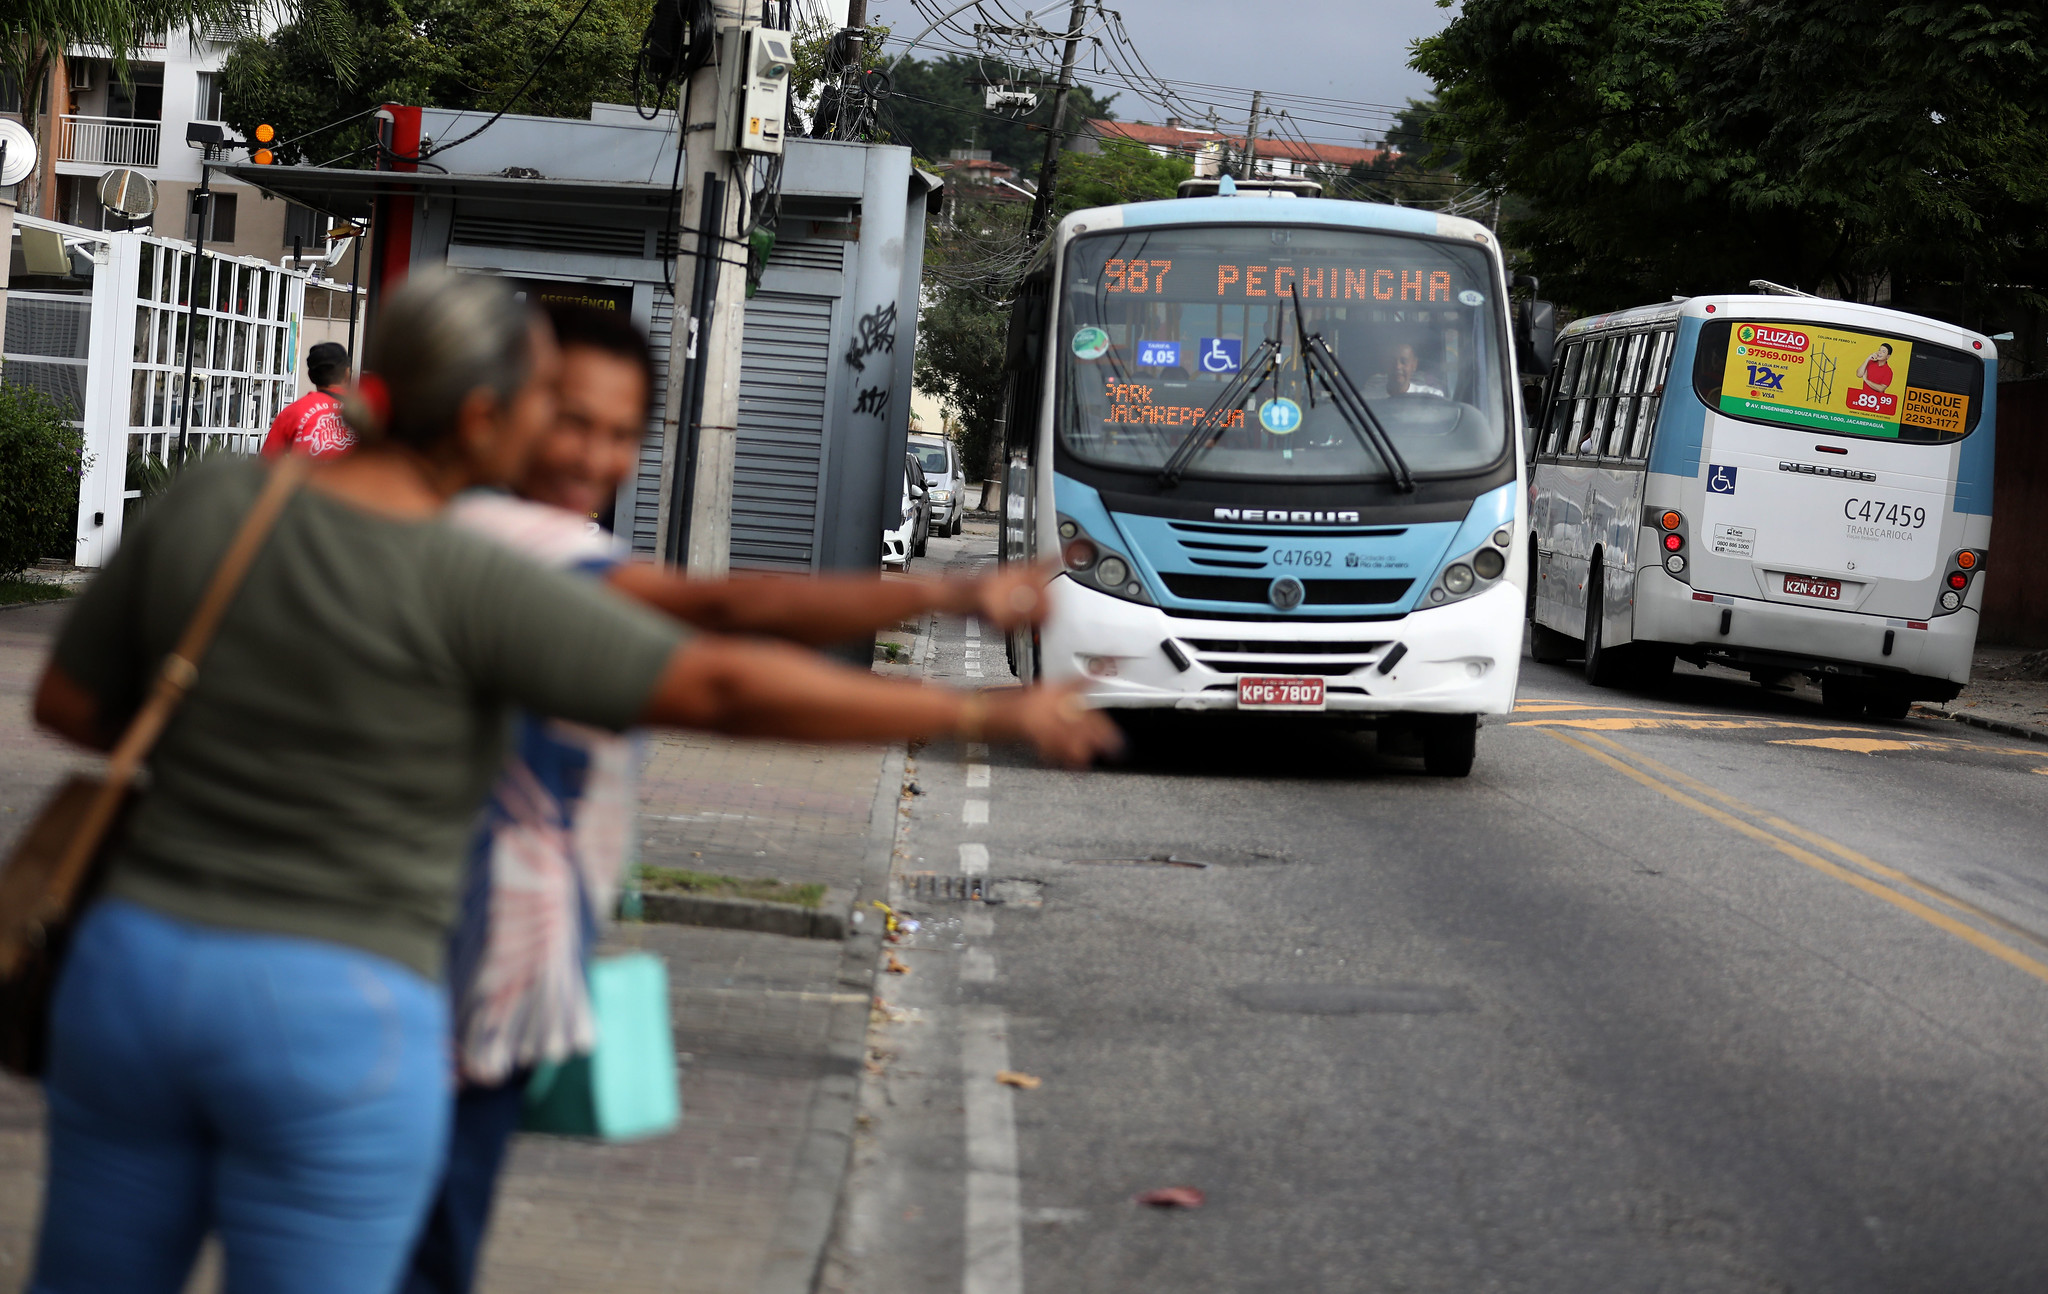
[1352, 51]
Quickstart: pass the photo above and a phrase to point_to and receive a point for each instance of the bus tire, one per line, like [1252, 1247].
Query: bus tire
[1842, 698]
[1549, 647]
[1605, 666]
[1449, 744]
[1888, 705]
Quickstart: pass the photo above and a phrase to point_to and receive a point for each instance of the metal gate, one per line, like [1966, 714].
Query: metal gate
[784, 359]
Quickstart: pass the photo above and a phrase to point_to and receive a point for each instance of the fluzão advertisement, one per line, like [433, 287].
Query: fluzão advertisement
[1830, 379]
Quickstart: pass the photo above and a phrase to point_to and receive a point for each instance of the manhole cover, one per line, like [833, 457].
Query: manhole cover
[1352, 999]
[1149, 860]
[931, 887]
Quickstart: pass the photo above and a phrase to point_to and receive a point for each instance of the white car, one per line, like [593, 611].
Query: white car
[940, 459]
[911, 534]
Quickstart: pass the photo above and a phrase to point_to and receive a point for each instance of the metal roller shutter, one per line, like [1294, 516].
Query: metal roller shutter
[785, 356]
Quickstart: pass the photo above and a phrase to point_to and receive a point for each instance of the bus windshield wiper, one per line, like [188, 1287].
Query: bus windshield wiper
[1321, 362]
[1214, 421]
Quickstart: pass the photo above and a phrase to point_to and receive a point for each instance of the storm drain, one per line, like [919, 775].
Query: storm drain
[1352, 999]
[1149, 860]
[934, 888]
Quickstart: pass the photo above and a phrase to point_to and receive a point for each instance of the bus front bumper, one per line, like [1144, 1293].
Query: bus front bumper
[1457, 659]
[1776, 634]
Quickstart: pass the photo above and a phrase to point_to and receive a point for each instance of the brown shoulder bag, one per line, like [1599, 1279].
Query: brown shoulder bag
[53, 867]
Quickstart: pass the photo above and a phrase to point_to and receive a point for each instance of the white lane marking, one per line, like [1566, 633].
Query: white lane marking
[979, 923]
[977, 750]
[977, 774]
[973, 627]
[974, 813]
[973, 859]
[995, 1231]
[978, 966]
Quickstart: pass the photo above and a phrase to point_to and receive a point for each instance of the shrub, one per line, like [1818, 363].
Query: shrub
[42, 457]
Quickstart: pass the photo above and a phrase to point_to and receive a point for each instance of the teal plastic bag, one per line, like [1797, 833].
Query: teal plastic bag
[627, 1089]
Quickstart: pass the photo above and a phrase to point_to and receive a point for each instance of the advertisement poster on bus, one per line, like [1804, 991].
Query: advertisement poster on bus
[1830, 379]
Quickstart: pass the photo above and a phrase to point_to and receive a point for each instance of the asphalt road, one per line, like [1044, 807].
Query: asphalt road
[1692, 988]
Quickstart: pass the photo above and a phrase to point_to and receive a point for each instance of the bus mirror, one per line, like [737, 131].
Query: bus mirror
[1535, 336]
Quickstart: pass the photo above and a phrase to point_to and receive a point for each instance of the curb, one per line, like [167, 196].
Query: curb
[796, 1254]
[2023, 731]
[829, 920]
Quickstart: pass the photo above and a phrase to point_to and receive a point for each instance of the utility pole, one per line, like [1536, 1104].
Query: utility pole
[1049, 170]
[700, 414]
[1251, 140]
[201, 201]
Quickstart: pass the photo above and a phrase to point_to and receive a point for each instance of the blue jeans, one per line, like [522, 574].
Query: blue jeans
[291, 1095]
[446, 1257]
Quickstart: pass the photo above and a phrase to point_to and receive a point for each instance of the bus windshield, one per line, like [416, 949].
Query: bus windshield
[1154, 324]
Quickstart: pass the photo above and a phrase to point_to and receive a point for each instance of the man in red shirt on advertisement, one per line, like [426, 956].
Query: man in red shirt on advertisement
[312, 424]
[1876, 376]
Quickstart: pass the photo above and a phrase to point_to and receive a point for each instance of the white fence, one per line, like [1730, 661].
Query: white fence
[108, 141]
[115, 354]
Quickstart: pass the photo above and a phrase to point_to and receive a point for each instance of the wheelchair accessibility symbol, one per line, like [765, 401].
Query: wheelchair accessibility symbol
[1222, 354]
[1720, 480]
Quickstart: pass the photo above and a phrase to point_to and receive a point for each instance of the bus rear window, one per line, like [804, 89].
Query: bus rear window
[1832, 378]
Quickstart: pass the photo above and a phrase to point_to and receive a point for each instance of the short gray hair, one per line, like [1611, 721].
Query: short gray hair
[439, 337]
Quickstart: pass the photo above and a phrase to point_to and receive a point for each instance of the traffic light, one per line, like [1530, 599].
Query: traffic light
[264, 133]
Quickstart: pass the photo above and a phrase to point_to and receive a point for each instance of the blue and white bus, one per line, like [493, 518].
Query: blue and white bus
[1274, 443]
[1783, 484]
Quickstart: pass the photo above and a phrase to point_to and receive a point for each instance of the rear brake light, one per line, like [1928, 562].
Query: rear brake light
[1672, 543]
[1958, 580]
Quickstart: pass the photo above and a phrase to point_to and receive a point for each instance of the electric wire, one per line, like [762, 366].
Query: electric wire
[518, 94]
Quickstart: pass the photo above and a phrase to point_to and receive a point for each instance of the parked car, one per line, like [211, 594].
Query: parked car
[914, 531]
[940, 459]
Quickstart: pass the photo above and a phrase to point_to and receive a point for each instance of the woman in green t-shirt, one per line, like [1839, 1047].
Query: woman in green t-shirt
[248, 1036]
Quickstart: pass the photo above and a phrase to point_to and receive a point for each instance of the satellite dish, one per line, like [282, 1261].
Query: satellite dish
[128, 193]
[17, 152]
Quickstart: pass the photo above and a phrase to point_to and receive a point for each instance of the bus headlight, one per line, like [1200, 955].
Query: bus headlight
[1457, 579]
[1471, 572]
[1488, 562]
[1093, 565]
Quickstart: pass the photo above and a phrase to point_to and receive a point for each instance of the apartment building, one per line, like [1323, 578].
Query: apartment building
[1277, 158]
[99, 121]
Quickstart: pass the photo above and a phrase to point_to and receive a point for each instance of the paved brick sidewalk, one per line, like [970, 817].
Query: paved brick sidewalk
[768, 1030]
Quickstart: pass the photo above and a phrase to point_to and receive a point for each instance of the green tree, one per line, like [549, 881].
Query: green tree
[936, 107]
[1122, 171]
[42, 458]
[34, 33]
[970, 270]
[355, 54]
[1685, 146]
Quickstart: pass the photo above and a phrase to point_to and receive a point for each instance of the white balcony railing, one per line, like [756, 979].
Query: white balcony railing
[108, 141]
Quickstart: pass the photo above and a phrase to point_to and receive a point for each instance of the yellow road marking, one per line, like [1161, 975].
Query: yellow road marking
[1906, 903]
[1860, 745]
[1623, 723]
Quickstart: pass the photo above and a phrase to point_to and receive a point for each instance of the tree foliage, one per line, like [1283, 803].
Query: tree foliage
[351, 55]
[42, 459]
[1122, 171]
[970, 270]
[1683, 146]
[936, 107]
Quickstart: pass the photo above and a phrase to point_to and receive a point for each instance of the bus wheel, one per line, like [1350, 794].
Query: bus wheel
[1888, 706]
[1842, 698]
[1449, 743]
[1605, 666]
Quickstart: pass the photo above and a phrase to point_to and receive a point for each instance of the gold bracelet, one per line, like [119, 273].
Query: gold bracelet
[973, 718]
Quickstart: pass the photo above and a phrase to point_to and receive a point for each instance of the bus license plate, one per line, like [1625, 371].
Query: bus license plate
[1802, 586]
[1279, 694]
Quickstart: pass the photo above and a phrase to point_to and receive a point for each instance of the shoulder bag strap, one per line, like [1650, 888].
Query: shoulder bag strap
[178, 672]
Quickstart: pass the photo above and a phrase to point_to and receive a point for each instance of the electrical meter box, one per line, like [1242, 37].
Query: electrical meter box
[753, 89]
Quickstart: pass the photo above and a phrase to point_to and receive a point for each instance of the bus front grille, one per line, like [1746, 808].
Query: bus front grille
[1239, 588]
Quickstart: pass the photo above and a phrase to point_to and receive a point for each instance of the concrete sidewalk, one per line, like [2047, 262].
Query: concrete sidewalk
[769, 1028]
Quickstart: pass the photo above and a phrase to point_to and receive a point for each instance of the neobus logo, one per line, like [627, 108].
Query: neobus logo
[1278, 514]
[1775, 338]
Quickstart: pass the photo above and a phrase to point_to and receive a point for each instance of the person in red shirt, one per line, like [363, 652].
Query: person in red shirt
[312, 424]
[1876, 372]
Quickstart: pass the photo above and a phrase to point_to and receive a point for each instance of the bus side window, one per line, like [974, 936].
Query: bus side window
[1656, 373]
[1554, 440]
[1628, 386]
[1600, 425]
[1578, 440]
